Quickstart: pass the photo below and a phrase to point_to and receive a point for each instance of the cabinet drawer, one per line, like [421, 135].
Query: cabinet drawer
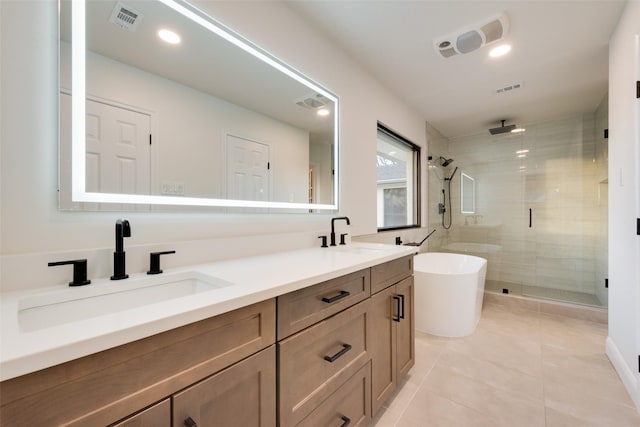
[385, 275]
[159, 415]
[302, 308]
[349, 405]
[104, 387]
[241, 395]
[314, 363]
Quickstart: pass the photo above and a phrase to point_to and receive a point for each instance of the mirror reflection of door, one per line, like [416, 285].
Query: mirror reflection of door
[118, 150]
[247, 169]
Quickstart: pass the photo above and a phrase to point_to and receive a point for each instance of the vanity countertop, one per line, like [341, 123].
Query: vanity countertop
[25, 349]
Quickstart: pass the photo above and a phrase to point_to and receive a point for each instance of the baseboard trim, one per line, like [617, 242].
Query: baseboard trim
[625, 373]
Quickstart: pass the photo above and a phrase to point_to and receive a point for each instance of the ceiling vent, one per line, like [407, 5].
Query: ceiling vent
[509, 88]
[125, 17]
[473, 38]
[313, 101]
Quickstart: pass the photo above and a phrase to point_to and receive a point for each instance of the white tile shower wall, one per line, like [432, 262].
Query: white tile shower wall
[556, 178]
[437, 145]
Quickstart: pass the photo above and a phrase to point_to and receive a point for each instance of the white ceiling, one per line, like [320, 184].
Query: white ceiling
[560, 55]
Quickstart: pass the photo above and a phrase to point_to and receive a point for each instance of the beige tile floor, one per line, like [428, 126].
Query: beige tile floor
[519, 368]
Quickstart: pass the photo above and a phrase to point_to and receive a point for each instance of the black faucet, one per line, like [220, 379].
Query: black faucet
[123, 229]
[333, 231]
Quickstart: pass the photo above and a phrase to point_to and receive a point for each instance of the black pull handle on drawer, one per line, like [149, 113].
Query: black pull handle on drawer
[342, 294]
[331, 359]
[346, 420]
[397, 300]
[190, 423]
[401, 312]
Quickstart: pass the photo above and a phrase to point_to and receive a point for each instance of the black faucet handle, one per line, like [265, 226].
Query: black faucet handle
[154, 261]
[324, 241]
[79, 271]
[342, 235]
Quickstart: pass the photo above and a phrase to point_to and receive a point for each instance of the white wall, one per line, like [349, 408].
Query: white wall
[623, 343]
[32, 227]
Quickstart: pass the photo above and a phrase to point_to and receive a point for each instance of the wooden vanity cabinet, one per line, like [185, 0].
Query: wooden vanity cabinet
[392, 319]
[342, 347]
[105, 387]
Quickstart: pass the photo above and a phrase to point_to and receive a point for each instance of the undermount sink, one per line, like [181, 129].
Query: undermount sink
[76, 304]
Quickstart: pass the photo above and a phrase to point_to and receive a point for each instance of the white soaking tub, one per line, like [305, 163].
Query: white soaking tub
[449, 289]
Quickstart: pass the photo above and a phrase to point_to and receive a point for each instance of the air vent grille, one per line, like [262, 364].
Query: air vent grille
[313, 101]
[125, 17]
[509, 88]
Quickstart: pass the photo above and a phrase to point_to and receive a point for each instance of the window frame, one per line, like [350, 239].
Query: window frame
[416, 149]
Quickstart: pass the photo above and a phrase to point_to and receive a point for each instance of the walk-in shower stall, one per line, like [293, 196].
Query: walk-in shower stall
[532, 203]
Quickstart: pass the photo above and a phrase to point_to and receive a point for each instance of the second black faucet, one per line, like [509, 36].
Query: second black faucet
[123, 229]
[333, 231]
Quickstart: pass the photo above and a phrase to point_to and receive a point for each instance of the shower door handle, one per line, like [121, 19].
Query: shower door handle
[530, 217]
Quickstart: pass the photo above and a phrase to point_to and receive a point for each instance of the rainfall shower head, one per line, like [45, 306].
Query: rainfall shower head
[502, 128]
[445, 162]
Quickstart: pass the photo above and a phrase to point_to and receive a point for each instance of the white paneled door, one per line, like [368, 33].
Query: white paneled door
[247, 169]
[117, 149]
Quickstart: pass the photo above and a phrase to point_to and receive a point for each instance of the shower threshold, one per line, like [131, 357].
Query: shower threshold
[538, 292]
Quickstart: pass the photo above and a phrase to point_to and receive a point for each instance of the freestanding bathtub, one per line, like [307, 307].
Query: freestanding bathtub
[449, 289]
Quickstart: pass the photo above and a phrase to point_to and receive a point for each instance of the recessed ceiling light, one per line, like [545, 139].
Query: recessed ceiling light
[522, 151]
[169, 36]
[501, 50]
[323, 112]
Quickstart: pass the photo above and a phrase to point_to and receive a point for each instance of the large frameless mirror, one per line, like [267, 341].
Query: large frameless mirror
[202, 117]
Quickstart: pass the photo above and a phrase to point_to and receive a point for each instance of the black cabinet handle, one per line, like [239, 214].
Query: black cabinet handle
[346, 420]
[397, 300]
[190, 423]
[331, 359]
[342, 294]
[401, 312]
[530, 218]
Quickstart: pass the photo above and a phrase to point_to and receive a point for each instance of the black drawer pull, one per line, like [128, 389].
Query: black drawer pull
[331, 359]
[396, 319]
[401, 315]
[342, 294]
[190, 423]
[346, 420]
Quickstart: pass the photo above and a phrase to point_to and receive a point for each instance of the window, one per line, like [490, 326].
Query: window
[398, 177]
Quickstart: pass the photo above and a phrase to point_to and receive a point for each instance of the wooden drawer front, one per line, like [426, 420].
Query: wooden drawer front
[105, 387]
[302, 308]
[350, 405]
[241, 395]
[159, 415]
[385, 275]
[306, 378]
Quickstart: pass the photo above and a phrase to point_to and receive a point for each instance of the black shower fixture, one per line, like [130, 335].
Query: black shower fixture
[445, 162]
[502, 128]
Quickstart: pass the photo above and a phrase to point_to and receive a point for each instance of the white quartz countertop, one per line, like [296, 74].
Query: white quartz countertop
[32, 338]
